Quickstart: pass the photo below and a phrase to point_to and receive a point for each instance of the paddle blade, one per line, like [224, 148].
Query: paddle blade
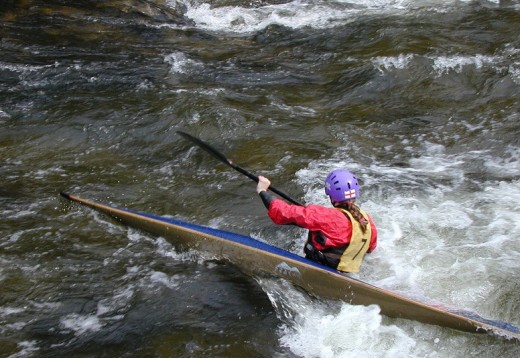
[208, 148]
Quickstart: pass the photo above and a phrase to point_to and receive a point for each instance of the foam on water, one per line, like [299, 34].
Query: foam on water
[300, 14]
[22, 69]
[508, 163]
[80, 324]
[320, 328]
[353, 331]
[444, 65]
[384, 63]
[180, 63]
[296, 14]
[27, 348]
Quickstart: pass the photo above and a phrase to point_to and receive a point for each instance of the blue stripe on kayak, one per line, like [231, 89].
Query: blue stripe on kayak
[504, 325]
[238, 238]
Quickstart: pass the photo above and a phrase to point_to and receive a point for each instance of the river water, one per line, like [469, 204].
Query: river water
[419, 98]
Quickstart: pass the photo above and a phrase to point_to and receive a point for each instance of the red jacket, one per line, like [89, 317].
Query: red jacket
[332, 223]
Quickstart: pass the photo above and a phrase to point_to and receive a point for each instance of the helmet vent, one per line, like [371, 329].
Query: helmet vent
[341, 185]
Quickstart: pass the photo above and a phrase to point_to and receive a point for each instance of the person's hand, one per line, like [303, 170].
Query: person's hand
[263, 184]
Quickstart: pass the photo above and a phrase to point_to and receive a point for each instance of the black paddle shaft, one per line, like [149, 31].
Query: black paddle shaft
[211, 150]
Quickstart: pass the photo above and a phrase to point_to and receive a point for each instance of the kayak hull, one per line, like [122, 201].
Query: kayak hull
[258, 258]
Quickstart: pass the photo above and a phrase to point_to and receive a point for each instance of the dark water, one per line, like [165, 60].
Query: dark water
[419, 98]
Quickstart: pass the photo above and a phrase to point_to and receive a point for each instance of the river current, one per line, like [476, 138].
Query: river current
[419, 98]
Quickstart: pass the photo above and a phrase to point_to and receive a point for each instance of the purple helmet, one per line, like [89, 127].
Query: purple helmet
[341, 185]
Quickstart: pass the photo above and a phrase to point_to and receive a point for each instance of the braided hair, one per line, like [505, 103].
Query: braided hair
[354, 210]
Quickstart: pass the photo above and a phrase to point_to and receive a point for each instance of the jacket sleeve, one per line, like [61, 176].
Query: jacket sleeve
[332, 224]
[283, 213]
[266, 198]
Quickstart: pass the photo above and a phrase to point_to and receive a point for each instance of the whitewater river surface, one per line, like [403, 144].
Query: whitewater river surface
[419, 98]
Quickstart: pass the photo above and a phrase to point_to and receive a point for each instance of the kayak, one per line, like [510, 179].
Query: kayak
[258, 258]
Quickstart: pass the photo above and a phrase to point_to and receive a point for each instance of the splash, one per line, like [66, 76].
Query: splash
[322, 328]
[354, 331]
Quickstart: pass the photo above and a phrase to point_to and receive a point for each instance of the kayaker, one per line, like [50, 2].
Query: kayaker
[338, 237]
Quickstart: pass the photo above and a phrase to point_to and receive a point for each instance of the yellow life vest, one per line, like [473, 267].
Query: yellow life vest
[352, 257]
